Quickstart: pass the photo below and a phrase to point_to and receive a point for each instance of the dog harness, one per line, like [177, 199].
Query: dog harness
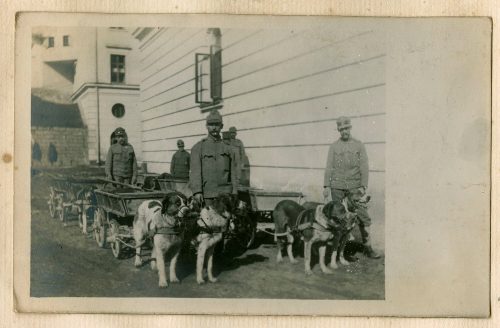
[211, 222]
[165, 225]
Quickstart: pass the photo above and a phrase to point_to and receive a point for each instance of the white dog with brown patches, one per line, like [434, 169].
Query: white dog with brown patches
[213, 223]
[161, 220]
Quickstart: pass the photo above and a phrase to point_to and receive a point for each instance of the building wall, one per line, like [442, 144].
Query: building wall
[108, 123]
[70, 143]
[282, 89]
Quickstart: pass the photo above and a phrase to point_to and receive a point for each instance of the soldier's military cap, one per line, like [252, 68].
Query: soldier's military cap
[120, 132]
[232, 129]
[214, 117]
[343, 122]
[180, 142]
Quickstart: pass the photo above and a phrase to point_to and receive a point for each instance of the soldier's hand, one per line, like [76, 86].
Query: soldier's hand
[326, 193]
[199, 198]
[134, 180]
[362, 189]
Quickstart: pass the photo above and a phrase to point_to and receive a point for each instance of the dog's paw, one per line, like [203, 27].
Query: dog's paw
[334, 265]
[327, 271]
[279, 259]
[174, 280]
[343, 261]
[200, 281]
[294, 261]
[163, 284]
[213, 280]
[153, 266]
[309, 272]
[138, 262]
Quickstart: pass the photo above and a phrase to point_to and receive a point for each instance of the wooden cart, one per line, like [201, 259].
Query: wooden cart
[71, 196]
[115, 216]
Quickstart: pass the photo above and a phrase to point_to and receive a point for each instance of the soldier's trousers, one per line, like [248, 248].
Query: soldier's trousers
[364, 219]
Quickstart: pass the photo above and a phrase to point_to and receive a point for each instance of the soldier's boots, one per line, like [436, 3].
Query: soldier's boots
[370, 253]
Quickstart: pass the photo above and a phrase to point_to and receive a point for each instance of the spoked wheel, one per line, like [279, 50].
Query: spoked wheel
[52, 204]
[116, 245]
[60, 208]
[245, 236]
[63, 214]
[241, 236]
[100, 228]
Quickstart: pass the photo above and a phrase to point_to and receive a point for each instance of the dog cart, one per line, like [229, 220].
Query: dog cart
[115, 215]
[175, 184]
[71, 196]
[262, 204]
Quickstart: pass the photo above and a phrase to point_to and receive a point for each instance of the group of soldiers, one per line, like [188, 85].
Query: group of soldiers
[218, 166]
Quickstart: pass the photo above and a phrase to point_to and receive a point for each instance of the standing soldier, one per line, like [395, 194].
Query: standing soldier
[346, 171]
[213, 164]
[241, 156]
[179, 168]
[121, 164]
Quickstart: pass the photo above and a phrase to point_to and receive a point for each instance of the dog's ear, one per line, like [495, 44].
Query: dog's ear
[166, 202]
[328, 209]
[335, 210]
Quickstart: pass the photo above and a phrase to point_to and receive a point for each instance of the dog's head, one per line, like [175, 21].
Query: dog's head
[172, 203]
[224, 205]
[337, 215]
[356, 199]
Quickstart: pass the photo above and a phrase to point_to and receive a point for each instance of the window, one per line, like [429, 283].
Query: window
[50, 42]
[118, 110]
[208, 72]
[66, 41]
[117, 69]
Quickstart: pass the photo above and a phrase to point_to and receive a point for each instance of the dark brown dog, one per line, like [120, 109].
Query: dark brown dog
[330, 223]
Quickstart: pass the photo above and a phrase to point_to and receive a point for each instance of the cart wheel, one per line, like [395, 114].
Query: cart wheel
[63, 214]
[81, 213]
[246, 237]
[116, 245]
[100, 228]
[52, 205]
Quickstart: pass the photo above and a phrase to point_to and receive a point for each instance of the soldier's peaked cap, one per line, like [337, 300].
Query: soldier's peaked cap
[214, 117]
[120, 132]
[232, 129]
[343, 122]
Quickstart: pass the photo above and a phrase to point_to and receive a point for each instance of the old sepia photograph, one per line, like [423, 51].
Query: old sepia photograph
[207, 162]
[255, 165]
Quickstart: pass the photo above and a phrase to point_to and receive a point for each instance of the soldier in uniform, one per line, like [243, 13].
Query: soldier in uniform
[121, 164]
[242, 158]
[179, 167]
[347, 170]
[213, 164]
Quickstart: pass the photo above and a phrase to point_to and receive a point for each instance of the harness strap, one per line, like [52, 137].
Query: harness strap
[299, 219]
[168, 231]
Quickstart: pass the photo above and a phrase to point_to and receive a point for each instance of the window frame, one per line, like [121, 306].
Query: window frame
[51, 43]
[66, 41]
[118, 107]
[121, 69]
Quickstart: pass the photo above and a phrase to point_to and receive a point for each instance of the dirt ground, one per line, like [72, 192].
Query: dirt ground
[66, 263]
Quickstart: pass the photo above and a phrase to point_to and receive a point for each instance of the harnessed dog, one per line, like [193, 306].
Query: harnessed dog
[161, 222]
[212, 223]
[330, 223]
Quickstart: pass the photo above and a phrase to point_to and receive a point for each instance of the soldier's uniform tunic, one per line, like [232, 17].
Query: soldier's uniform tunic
[213, 168]
[241, 159]
[121, 163]
[347, 169]
[179, 168]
